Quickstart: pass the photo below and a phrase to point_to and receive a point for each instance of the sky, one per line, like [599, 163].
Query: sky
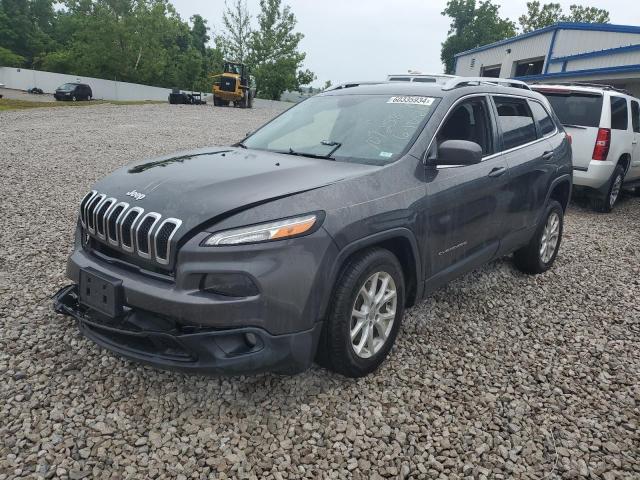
[350, 40]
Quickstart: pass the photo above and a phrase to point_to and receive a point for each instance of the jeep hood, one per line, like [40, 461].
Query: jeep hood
[202, 186]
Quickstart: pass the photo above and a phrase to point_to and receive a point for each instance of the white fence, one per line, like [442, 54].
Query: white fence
[23, 79]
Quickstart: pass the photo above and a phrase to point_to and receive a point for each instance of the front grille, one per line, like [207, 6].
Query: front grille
[228, 84]
[130, 229]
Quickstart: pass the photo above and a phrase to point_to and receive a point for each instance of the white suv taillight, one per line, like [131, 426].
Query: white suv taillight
[603, 142]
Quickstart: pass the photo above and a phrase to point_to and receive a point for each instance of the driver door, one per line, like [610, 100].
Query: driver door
[466, 205]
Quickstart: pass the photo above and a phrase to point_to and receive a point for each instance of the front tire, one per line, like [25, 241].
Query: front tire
[541, 251]
[365, 314]
[606, 203]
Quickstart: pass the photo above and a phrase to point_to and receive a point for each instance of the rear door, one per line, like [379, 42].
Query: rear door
[529, 156]
[581, 113]
[634, 169]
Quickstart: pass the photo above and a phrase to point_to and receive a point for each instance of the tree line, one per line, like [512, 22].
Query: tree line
[474, 24]
[146, 41]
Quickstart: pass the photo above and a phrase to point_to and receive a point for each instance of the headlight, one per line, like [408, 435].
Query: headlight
[264, 232]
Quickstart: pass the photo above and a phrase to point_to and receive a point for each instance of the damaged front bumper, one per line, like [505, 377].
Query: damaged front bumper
[163, 342]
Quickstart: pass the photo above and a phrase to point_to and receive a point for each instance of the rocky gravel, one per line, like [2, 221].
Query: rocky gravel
[498, 375]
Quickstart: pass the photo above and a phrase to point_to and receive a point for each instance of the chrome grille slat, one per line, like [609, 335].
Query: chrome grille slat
[83, 206]
[91, 208]
[156, 218]
[115, 240]
[128, 228]
[100, 214]
[164, 259]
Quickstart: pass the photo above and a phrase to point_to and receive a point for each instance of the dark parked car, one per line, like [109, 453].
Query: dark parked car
[310, 238]
[73, 91]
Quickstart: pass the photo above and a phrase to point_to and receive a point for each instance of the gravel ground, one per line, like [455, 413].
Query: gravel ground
[498, 375]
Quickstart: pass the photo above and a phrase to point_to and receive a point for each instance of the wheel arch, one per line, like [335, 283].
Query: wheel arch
[625, 161]
[402, 243]
[561, 191]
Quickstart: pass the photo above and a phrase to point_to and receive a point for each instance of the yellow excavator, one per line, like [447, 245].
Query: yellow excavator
[234, 86]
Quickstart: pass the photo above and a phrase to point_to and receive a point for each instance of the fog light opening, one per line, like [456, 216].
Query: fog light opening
[250, 339]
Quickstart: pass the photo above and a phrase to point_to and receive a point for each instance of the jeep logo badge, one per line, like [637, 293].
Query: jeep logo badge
[136, 195]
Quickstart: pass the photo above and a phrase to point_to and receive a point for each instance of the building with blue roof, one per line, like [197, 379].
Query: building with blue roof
[563, 52]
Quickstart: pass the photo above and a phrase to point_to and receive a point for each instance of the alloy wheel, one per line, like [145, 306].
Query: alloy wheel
[550, 236]
[373, 314]
[615, 190]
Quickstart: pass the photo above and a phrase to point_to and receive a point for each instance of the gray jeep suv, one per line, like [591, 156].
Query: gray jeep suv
[307, 240]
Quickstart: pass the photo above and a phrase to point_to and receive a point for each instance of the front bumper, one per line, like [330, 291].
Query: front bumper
[204, 331]
[158, 341]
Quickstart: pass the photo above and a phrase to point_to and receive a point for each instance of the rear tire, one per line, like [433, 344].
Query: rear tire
[541, 251]
[354, 343]
[606, 203]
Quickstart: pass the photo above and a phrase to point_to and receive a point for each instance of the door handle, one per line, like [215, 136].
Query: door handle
[548, 155]
[635, 142]
[497, 171]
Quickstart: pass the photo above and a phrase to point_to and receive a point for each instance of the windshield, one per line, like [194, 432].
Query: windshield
[67, 86]
[373, 129]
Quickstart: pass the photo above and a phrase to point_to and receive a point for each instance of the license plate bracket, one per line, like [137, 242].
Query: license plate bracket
[101, 292]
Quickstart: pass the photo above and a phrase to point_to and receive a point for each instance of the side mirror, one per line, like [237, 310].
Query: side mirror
[457, 152]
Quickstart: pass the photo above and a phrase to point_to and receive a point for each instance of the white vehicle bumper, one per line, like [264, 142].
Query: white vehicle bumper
[597, 174]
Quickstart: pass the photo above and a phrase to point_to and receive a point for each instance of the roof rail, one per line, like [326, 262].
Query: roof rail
[603, 86]
[466, 81]
[353, 84]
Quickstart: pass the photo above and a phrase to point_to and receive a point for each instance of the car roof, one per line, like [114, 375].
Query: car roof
[424, 89]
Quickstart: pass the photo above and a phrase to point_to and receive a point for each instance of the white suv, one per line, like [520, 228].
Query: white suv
[605, 126]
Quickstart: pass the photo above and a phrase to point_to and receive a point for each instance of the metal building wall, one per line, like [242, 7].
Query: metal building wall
[524, 49]
[571, 42]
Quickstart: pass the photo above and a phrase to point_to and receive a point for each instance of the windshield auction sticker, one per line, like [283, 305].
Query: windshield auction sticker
[412, 100]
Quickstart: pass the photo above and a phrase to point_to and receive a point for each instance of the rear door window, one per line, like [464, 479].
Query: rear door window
[516, 122]
[619, 113]
[547, 126]
[576, 108]
[635, 115]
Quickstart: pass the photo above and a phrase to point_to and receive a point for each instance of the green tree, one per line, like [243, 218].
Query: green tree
[472, 25]
[200, 33]
[25, 28]
[274, 55]
[540, 16]
[10, 59]
[587, 15]
[237, 21]
[327, 85]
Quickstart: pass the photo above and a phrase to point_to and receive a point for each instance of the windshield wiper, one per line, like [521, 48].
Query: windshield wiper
[241, 145]
[327, 156]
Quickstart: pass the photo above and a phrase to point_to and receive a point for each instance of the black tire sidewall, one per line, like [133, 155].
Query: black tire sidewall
[380, 260]
[618, 172]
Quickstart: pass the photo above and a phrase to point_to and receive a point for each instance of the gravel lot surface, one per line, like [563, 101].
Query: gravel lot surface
[498, 375]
